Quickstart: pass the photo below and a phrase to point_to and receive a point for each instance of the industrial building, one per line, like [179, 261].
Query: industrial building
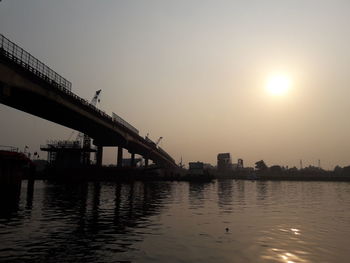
[224, 162]
[196, 168]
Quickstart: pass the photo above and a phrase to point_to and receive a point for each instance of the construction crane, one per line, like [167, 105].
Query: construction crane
[158, 141]
[150, 141]
[181, 165]
[85, 139]
[96, 98]
[153, 144]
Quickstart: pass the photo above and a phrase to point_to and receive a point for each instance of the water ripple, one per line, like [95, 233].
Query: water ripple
[224, 221]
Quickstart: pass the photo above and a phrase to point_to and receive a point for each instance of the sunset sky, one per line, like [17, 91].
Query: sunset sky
[259, 79]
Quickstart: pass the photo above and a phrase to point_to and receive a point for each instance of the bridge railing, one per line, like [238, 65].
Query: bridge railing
[8, 148]
[120, 120]
[166, 154]
[21, 57]
[26, 60]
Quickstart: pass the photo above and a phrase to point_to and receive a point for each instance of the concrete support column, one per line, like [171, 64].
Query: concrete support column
[99, 155]
[146, 162]
[120, 157]
[132, 160]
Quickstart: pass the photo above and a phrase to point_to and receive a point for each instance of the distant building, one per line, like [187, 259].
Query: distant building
[240, 164]
[208, 166]
[224, 162]
[196, 168]
[276, 169]
[13, 166]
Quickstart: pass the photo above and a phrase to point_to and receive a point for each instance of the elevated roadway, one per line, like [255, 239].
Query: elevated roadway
[29, 85]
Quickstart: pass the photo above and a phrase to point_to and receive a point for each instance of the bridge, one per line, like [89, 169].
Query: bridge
[29, 85]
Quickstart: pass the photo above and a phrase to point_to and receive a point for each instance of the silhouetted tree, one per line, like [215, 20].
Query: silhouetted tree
[261, 166]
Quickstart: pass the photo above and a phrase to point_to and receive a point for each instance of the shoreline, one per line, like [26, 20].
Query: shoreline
[136, 174]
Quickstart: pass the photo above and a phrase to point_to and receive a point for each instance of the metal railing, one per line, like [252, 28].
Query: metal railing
[61, 144]
[22, 58]
[123, 122]
[27, 61]
[166, 154]
[8, 148]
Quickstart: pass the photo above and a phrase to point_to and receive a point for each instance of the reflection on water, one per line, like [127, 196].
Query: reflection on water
[280, 255]
[289, 249]
[223, 221]
[225, 195]
[261, 188]
[196, 194]
[30, 192]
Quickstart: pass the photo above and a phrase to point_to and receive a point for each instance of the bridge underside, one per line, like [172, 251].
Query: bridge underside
[29, 102]
[23, 91]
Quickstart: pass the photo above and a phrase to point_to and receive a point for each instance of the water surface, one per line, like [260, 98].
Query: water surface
[222, 221]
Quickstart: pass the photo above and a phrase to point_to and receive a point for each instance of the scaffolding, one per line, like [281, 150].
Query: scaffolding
[67, 153]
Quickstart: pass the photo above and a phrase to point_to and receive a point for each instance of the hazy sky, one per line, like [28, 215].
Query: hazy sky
[195, 73]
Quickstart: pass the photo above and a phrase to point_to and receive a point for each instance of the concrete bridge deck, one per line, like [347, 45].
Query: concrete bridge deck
[29, 85]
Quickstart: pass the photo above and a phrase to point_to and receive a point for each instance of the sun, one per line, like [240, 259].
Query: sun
[278, 85]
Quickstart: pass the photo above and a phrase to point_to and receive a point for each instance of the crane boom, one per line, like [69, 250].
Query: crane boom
[81, 136]
[96, 97]
[158, 141]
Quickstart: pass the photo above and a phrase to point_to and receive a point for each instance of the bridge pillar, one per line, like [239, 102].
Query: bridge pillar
[99, 155]
[120, 157]
[132, 160]
[146, 162]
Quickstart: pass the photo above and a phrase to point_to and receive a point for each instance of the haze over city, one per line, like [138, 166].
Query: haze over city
[259, 79]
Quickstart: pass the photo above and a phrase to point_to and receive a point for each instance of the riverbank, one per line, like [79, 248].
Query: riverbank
[105, 173]
[292, 176]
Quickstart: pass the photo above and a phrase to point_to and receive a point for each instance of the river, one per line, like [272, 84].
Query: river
[221, 221]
